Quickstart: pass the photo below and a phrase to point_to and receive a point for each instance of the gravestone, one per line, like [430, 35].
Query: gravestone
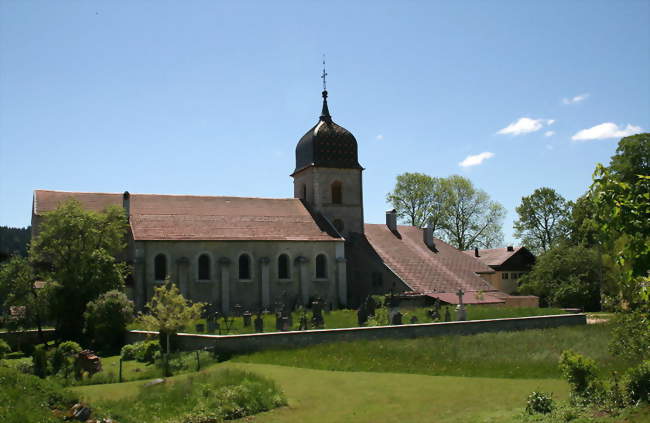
[461, 314]
[414, 320]
[259, 324]
[278, 321]
[362, 315]
[200, 327]
[447, 315]
[304, 323]
[286, 325]
[371, 306]
[317, 313]
[247, 318]
[396, 319]
[237, 309]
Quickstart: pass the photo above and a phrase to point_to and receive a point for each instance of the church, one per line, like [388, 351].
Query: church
[253, 252]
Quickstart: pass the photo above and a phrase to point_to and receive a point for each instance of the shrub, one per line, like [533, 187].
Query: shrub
[581, 373]
[637, 384]
[631, 335]
[106, 320]
[128, 352]
[26, 398]
[539, 403]
[146, 351]
[4, 348]
[40, 361]
[64, 357]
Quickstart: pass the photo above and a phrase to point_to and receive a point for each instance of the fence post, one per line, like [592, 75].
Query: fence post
[120, 373]
[198, 362]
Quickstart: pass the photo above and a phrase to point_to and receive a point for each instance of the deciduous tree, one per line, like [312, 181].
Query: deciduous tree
[169, 312]
[77, 249]
[421, 200]
[474, 220]
[543, 220]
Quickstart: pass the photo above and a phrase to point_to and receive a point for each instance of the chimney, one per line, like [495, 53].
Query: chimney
[427, 235]
[126, 203]
[391, 220]
[476, 252]
[510, 248]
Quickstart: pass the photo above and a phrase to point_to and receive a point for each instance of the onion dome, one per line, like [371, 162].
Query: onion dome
[327, 145]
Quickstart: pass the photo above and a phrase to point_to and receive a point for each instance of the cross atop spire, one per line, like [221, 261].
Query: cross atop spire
[324, 75]
[325, 114]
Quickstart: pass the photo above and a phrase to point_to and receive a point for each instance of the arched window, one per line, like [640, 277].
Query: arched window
[338, 224]
[160, 267]
[204, 267]
[244, 267]
[337, 192]
[321, 266]
[283, 267]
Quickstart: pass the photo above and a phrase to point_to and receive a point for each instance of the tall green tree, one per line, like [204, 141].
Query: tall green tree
[565, 276]
[421, 200]
[77, 249]
[474, 220]
[543, 220]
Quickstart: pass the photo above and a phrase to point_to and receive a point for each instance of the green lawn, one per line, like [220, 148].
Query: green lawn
[418, 380]
[346, 318]
[530, 354]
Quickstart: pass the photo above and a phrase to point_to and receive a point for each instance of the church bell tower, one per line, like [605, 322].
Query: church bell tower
[327, 176]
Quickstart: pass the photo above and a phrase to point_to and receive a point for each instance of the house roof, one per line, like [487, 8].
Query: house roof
[423, 270]
[186, 217]
[494, 256]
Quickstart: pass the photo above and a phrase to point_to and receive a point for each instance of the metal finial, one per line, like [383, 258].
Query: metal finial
[324, 75]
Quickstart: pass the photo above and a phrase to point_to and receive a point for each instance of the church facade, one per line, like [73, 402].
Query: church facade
[253, 252]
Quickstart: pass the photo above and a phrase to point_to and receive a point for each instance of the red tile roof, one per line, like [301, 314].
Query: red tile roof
[425, 271]
[494, 256]
[187, 217]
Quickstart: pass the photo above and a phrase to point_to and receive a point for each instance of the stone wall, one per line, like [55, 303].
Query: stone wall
[16, 339]
[275, 340]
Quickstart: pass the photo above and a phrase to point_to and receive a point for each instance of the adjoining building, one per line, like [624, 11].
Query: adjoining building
[256, 251]
[509, 265]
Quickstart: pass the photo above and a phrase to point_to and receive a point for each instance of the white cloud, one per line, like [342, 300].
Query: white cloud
[476, 159]
[379, 137]
[576, 99]
[549, 133]
[604, 131]
[525, 125]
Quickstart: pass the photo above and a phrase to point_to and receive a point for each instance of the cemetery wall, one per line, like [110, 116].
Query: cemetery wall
[279, 340]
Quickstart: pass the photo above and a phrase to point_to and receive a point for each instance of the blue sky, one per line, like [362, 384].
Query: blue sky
[210, 98]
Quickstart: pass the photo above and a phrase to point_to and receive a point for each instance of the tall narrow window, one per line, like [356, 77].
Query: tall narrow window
[244, 267]
[337, 192]
[160, 267]
[304, 192]
[204, 267]
[283, 267]
[321, 266]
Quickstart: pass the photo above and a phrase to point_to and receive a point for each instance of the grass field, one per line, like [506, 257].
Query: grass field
[531, 354]
[348, 318]
[417, 380]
